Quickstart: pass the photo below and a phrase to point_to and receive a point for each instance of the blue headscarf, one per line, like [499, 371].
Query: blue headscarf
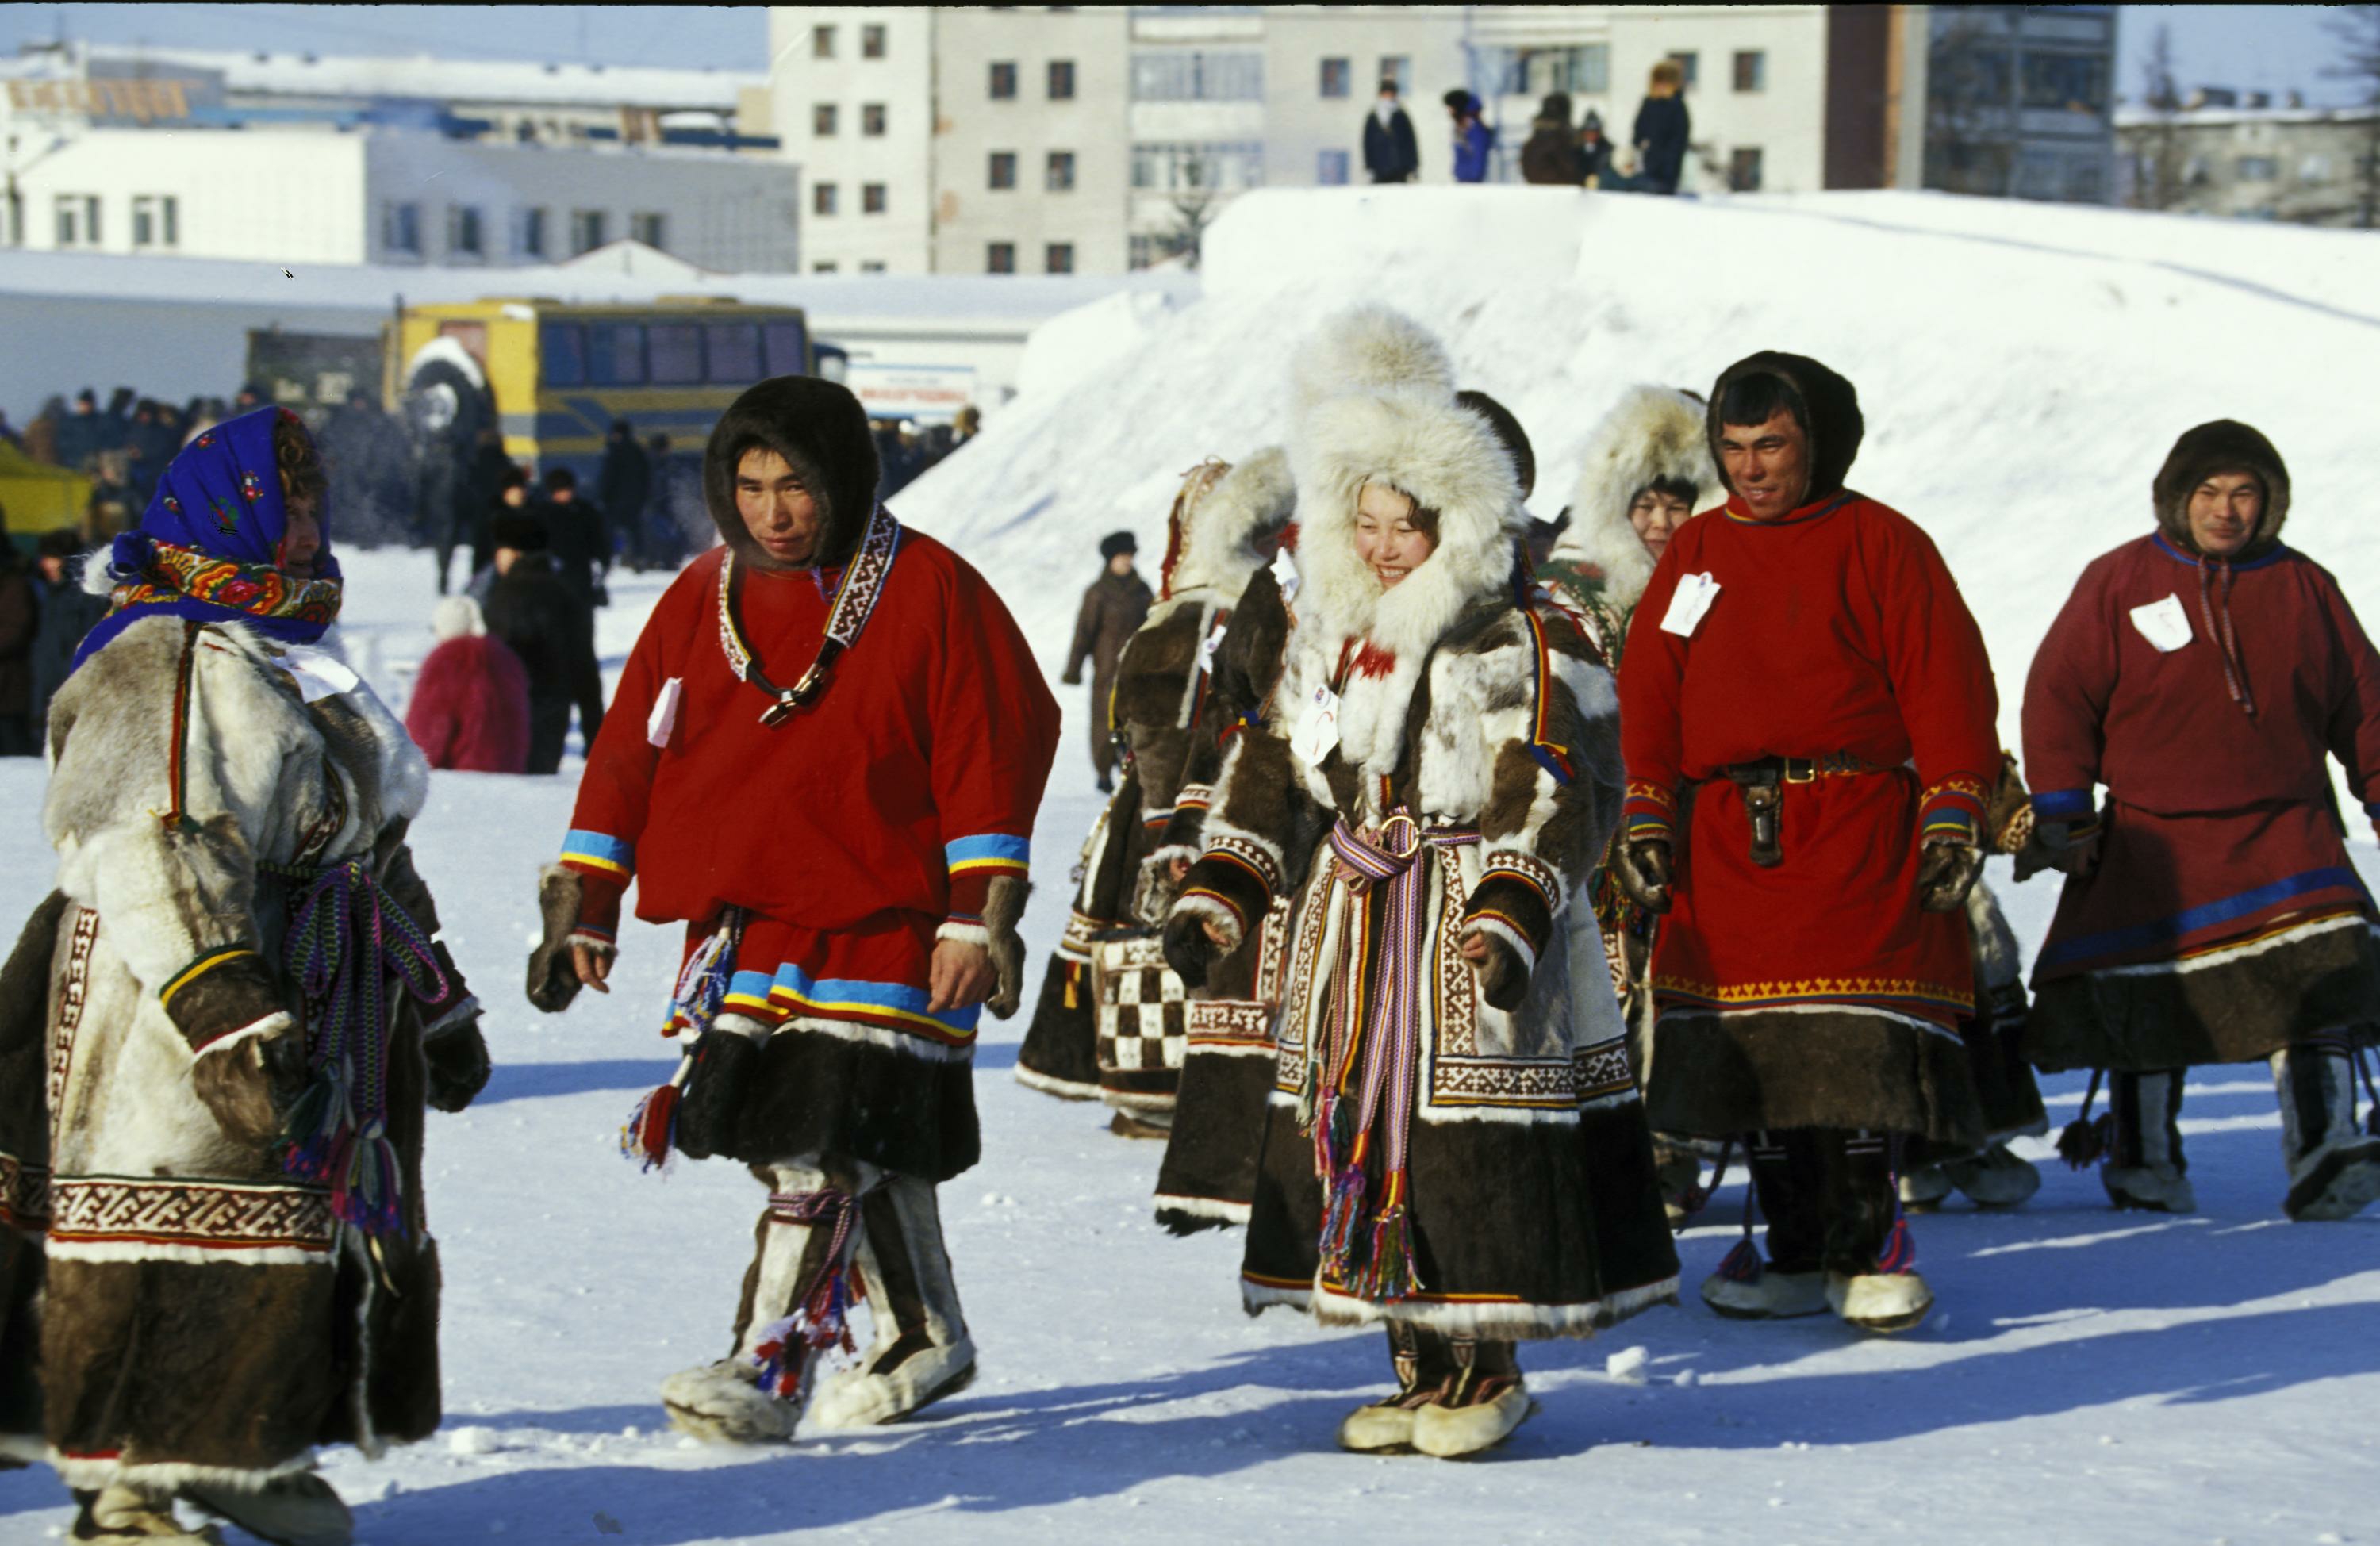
[209, 546]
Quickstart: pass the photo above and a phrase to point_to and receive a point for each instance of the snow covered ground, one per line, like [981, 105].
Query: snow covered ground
[2088, 1374]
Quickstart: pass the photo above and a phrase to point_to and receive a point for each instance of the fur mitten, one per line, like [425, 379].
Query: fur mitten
[251, 1083]
[552, 974]
[1001, 915]
[457, 1055]
[1945, 871]
[1503, 977]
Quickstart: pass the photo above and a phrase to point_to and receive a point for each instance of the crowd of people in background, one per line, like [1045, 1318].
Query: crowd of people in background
[1560, 150]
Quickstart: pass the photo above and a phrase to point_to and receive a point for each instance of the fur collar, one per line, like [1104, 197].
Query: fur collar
[1448, 460]
[1652, 432]
[1220, 528]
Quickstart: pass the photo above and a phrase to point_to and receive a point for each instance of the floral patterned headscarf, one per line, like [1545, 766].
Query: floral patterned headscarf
[210, 544]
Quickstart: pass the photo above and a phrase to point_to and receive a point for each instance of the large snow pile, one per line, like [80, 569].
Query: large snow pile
[2022, 368]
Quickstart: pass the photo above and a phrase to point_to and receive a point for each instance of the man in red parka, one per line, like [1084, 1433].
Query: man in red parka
[2207, 675]
[469, 712]
[1808, 711]
[824, 760]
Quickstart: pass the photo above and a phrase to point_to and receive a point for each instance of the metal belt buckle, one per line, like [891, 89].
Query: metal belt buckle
[1809, 770]
[1388, 843]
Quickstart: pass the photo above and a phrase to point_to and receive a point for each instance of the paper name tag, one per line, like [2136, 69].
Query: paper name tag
[662, 721]
[1207, 650]
[318, 675]
[1316, 734]
[1284, 574]
[1691, 599]
[2164, 623]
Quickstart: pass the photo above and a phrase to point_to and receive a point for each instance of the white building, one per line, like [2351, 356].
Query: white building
[396, 161]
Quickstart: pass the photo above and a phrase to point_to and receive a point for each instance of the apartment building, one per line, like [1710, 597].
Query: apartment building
[2245, 156]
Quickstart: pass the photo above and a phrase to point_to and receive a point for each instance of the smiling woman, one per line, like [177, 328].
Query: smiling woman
[1394, 535]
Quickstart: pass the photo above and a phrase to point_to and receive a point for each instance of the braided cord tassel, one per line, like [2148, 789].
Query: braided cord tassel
[820, 1317]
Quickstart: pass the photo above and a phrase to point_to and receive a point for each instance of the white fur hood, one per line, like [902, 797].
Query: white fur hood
[1367, 348]
[1652, 432]
[1219, 530]
[1448, 460]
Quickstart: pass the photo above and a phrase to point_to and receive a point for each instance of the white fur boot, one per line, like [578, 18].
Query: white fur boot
[723, 1404]
[2155, 1188]
[295, 1509]
[1923, 1188]
[135, 1516]
[1387, 1423]
[1995, 1179]
[2146, 1168]
[2334, 1169]
[1879, 1302]
[1773, 1296]
[1450, 1432]
[920, 1351]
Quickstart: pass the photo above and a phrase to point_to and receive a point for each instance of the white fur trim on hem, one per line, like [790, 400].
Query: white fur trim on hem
[1497, 928]
[1502, 1321]
[1134, 1100]
[1549, 1115]
[965, 934]
[924, 1049]
[2225, 958]
[168, 1476]
[1202, 1207]
[26, 1449]
[1258, 1298]
[1229, 1046]
[69, 1249]
[272, 1024]
[1066, 1089]
[1912, 1021]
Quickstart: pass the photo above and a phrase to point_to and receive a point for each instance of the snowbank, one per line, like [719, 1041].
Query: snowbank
[2023, 368]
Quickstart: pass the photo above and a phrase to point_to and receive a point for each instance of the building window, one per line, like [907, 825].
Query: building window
[825, 265]
[822, 43]
[1581, 71]
[2315, 168]
[872, 199]
[463, 234]
[400, 227]
[822, 199]
[1194, 74]
[871, 265]
[1060, 175]
[1227, 167]
[1398, 68]
[1689, 69]
[2086, 180]
[822, 120]
[532, 232]
[78, 216]
[1061, 81]
[1004, 79]
[1331, 168]
[2076, 82]
[872, 42]
[871, 119]
[1144, 249]
[156, 220]
[651, 228]
[1336, 75]
[1744, 169]
[999, 257]
[1003, 174]
[1750, 69]
[2256, 169]
[588, 230]
[1058, 258]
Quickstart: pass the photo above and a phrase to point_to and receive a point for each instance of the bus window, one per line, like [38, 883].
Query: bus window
[562, 355]
[676, 349]
[615, 354]
[735, 353]
[788, 349]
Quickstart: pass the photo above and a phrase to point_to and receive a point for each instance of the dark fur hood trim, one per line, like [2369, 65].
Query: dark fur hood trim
[818, 427]
[1836, 427]
[2223, 445]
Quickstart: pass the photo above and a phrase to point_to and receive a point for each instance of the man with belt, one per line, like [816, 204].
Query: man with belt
[1807, 715]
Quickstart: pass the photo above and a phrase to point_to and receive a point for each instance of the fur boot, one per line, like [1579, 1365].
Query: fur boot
[296, 1508]
[118, 1512]
[2145, 1169]
[1773, 1296]
[1479, 1407]
[2334, 1169]
[920, 1351]
[1879, 1302]
[1423, 1362]
[1995, 1179]
[1923, 1188]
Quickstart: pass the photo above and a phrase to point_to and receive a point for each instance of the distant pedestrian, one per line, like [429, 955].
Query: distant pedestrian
[68, 612]
[1474, 141]
[534, 612]
[1663, 126]
[579, 534]
[623, 486]
[1550, 156]
[80, 432]
[1114, 609]
[1391, 153]
[1593, 150]
[469, 712]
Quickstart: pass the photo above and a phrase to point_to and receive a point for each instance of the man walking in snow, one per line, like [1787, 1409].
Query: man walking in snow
[1114, 606]
[1807, 716]
[824, 760]
[2205, 674]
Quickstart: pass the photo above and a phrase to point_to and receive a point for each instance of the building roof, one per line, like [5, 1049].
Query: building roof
[425, 77]
[2136, 116]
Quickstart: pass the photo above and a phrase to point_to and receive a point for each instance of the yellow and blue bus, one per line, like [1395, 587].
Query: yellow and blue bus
[552, 377]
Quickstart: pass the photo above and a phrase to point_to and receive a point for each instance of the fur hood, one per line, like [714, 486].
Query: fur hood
[1836, 427]
[821, 430]
[1218, 521]
[1653, 433]
[1367, 348]
[1448, 460]
[2224, 445]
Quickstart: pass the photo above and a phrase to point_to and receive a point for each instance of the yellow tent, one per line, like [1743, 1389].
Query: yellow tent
[38, 497]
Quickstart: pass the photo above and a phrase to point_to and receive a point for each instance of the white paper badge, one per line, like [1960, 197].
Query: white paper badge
[1285, 573]
[2164, 623]
[1687, 603]
[1317, 727]
[320, 675]
[662, 721]
[1207, 650]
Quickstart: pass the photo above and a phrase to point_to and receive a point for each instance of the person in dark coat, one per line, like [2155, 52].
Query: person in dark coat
[1593, 150]
[1662, 129]
[20, 617]
[623, 486]
[1114, 609]
[1473, 139]
[80, 431]
[458, 500]
[534, 612]
[67, 613]
[1550, 156]
[579, 535]
[1391, 153]
[469, 712]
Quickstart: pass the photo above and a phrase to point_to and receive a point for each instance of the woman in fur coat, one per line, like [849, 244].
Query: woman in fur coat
[218, 1034]
[1453, 1146]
